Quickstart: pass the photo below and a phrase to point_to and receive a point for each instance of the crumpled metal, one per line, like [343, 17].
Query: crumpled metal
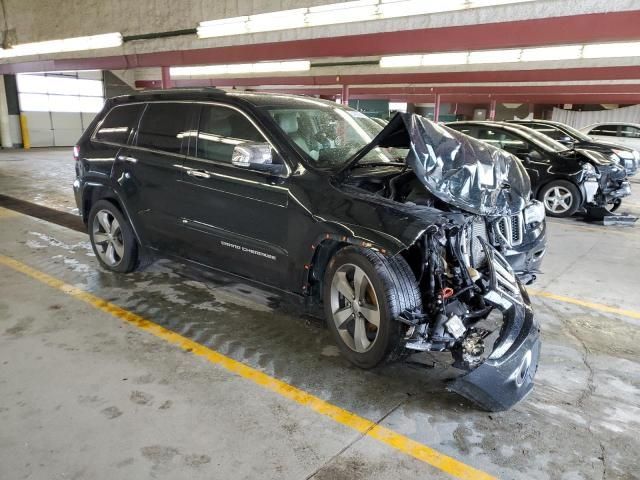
[463, 171]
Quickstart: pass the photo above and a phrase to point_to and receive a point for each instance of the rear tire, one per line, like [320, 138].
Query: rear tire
[112, 238]
[560, 198]
[361, 288]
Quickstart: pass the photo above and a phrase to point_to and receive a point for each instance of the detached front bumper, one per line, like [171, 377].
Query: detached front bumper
[622, 190]
[506, 376]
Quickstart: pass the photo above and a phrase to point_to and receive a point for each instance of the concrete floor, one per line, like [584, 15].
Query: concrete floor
[84, 395]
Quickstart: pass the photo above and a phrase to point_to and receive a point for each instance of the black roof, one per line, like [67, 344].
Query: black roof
[170, 94]
[211, 93]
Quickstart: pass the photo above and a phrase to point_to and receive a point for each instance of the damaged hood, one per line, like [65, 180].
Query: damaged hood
[457, 169]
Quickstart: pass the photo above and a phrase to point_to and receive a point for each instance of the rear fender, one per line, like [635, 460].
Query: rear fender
[92, 192]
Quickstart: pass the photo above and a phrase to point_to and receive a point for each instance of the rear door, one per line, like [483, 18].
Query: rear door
[148, 171]
[236, 218]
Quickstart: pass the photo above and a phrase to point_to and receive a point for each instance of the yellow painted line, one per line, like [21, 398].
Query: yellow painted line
[7, 213]
[583, 303]
[343, 417]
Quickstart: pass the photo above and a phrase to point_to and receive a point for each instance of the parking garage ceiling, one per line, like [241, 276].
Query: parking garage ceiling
[543, 51]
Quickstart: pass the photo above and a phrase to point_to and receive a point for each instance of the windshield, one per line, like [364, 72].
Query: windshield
[540, 139]
[329, 135]
[576, 134]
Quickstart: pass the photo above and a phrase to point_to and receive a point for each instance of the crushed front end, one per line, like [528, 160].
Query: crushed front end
[475, 307]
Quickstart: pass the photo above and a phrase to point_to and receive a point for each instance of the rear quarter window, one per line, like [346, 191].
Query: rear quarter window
[118, 123]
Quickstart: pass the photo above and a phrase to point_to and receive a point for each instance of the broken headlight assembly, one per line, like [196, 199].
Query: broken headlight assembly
[534, 213]
[590, 171]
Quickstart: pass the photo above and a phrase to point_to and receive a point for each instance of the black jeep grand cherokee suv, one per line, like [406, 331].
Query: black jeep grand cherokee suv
[393, 230]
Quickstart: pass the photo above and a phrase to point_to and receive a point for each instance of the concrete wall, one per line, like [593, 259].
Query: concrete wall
[38, 20]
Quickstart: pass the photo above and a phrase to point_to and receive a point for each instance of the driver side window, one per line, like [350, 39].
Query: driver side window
[220, 130]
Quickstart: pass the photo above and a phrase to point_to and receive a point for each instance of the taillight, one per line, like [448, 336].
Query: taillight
[76, 153]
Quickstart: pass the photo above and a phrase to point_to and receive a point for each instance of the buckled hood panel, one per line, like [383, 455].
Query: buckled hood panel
[457, 169]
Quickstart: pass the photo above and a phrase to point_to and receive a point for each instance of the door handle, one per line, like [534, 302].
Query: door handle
[198, 174]
[125, 158]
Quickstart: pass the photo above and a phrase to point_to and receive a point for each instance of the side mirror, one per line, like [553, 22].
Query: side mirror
[256, 156]
[566, 141]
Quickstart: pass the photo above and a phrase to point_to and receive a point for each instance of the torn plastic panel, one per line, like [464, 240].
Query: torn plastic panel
[506, 377]
[474, 307]
[456, 168]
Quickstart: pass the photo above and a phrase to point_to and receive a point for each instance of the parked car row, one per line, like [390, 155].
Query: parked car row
[568, 177]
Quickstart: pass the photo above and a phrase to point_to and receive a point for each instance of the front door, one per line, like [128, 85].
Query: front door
[236, 218]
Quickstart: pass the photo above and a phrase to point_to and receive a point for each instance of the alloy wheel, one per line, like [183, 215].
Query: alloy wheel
[355, 308]
[558, 200]
[107, 237]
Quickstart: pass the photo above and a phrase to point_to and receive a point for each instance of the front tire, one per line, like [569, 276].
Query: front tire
[364, 292]
[112, 238]
[560, 198]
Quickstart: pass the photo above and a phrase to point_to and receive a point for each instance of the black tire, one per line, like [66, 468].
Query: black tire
[575, 200]
[396, 290]
[128, 261]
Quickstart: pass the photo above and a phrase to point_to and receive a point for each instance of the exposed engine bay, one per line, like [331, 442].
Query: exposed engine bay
[504, 232]
[474, 307]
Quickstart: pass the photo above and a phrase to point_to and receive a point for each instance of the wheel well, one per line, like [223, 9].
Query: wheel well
[327, 249]
[94, 193]
[323, 253]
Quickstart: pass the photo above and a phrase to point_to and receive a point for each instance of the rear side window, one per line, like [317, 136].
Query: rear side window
[629, 131]
[163, 126]
[605, 130]
[220, 130]
[118, 124]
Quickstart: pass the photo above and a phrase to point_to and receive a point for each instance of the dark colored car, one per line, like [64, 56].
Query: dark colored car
[564, 179]
[387, 236]
[569, 136]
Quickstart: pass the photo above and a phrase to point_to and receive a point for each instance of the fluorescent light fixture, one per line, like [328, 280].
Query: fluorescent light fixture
[608, 50]
[515, 55]
[399, 61]
[336, 13]
[430, 59]
[357, 11]
[564, 52]
[281, 20]
[91, 42]
[449, 58]
[240, 68]
[495, 56]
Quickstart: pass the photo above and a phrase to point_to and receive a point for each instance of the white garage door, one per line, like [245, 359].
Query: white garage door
[59, 106]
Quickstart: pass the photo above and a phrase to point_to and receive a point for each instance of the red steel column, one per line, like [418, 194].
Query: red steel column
[492, 110]
[436, 108]
[166, 77]
[345, 95]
